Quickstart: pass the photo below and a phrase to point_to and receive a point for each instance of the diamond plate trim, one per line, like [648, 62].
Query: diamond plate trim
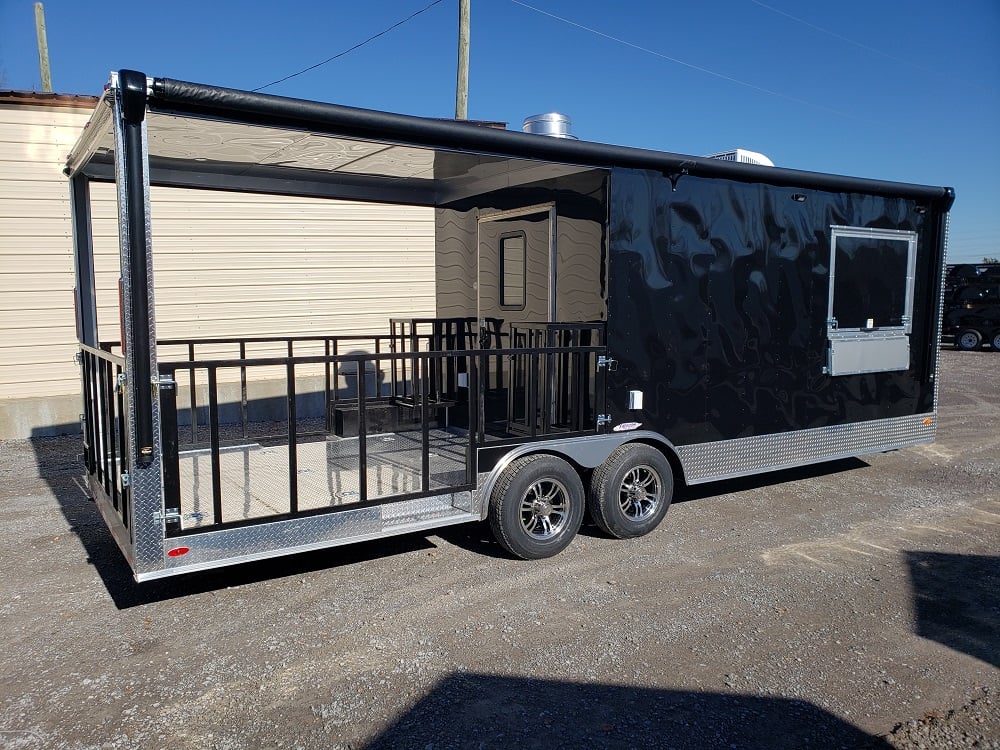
[940, 312]
[146, 479]
[261, 541]
[725, 459]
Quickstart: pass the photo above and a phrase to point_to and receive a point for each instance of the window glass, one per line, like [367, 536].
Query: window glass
[870, 282]
[512, 271]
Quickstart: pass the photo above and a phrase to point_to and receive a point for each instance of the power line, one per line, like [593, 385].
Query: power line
[700, 69]
[347, 51]
[865, 47]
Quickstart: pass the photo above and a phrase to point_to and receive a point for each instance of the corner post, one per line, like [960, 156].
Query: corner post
[142, 407]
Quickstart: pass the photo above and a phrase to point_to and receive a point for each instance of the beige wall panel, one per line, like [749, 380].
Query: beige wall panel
[226, 264]
[37, 332]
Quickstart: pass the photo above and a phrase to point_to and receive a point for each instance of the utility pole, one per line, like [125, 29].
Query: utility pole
[462, 86]
[43, 48]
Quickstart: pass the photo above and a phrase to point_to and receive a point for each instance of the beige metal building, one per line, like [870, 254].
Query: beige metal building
[295, 266]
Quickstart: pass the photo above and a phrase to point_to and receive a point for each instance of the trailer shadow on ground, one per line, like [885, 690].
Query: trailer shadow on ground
[491, 711]
[956, 601]
[59, 465]
[477, 538]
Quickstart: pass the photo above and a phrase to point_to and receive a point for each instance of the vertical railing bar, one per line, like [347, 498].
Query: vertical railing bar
[326, 389]
[116, 452]
[378, 368]
[434, 344]
[532, 411]
[99, 407]
[336, 370]
[170, 455]
[122, 494]
[243, 390]
[475, 398]
[414, 347]
[482, 374]
[88, 408]
[213, 431]
[193, 399]
[107, 438]
[425, 435]
[394, 349]
[293, 456]
[362, 433]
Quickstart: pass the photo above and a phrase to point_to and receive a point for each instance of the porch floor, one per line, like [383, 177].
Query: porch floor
[254, 477]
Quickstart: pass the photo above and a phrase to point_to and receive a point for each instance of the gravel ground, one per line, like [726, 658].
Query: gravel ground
[850, 605]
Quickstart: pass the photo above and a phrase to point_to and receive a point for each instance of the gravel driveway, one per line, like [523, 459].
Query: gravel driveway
[854, 604]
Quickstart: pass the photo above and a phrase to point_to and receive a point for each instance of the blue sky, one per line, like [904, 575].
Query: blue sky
[894, 90]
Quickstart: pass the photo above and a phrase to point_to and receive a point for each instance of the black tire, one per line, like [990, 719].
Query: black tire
[536, 507]
[995, 341]
[631, 491]
[968, 340]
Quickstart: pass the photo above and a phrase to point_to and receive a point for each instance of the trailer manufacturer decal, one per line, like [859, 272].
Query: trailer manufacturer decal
[626, 426]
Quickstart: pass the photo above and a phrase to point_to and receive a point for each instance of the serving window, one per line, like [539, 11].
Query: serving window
[870, 310]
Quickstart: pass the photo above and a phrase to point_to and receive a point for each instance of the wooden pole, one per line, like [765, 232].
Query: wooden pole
[43, 48]
[462, 86]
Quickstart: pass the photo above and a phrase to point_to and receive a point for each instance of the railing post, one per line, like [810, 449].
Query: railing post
[362, 433]
[213, 429]
[293, 457]
[171, 456]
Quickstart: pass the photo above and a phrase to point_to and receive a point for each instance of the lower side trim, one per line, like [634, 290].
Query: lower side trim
[725, 459]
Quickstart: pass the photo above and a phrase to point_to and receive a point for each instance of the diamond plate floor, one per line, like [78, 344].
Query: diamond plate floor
[254, 478]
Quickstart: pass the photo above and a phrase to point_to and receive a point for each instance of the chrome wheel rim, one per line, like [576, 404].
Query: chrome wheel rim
[545, 509]
[641, 493]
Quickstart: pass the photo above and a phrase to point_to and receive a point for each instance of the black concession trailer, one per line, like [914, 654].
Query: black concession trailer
[609, 321]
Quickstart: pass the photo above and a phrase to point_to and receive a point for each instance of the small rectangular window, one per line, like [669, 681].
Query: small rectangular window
[870, 311]
[512, 271]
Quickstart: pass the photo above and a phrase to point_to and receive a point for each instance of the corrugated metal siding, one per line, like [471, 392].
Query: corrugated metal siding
[225, 264]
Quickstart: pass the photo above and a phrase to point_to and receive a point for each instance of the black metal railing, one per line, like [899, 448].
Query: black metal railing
[426, 387]
[104, 438]
[420, 401]
[554, 391]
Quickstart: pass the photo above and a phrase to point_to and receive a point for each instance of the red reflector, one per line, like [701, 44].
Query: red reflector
[178, 551]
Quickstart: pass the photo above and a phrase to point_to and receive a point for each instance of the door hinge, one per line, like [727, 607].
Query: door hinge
[611, 364]
[169, 516]
[163, 382]
[78, 358]
[121, 381]
[603, 419]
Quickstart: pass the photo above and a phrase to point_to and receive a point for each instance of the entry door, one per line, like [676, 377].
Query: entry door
[515, 279]
[516, 295]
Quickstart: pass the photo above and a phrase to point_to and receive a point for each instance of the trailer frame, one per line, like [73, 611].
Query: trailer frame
[475, 399]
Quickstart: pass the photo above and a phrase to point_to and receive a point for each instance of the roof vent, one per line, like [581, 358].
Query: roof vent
[551, 123]
[743, 156]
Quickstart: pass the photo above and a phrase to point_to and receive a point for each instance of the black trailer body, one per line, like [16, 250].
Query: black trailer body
[608, 321]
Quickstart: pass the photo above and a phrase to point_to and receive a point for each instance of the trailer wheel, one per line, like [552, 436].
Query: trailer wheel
[995, 341]
[631, 491]
[537, 506]
[968, 340]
